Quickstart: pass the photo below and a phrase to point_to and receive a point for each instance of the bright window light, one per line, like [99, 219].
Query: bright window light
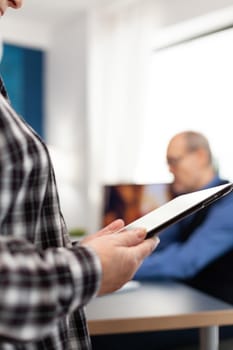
[190, 86]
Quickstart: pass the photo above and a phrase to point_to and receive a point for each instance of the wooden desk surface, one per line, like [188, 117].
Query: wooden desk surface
[156, 306]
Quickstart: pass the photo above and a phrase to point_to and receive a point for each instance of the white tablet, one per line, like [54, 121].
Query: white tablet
[178, 208]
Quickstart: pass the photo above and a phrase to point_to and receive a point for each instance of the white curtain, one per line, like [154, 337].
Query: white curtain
[120, 48]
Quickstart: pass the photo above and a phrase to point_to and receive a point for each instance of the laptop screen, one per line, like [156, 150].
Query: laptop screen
[131, 201]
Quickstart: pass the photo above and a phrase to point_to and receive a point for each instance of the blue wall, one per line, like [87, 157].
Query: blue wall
[22, 70]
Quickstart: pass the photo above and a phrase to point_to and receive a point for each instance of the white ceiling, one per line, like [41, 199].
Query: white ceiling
[35, 23]
[54, 11]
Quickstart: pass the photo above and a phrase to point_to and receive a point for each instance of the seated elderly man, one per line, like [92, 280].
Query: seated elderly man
[199, 249]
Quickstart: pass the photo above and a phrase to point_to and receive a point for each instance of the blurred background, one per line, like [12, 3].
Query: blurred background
[106, 83]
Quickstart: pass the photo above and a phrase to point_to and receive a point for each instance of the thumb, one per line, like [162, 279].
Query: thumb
[116, 225]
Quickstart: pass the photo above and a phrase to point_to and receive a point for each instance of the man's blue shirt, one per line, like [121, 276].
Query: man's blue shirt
[181, 260]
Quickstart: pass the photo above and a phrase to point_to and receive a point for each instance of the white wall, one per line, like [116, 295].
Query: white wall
[26, 33]
[66, 115]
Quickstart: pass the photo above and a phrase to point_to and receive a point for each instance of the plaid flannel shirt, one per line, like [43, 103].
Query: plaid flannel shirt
[44, 280]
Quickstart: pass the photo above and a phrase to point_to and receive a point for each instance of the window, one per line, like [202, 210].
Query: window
[190, 87]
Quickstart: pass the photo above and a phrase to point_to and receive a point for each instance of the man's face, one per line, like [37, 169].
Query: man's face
[4, 4]
[184, 165]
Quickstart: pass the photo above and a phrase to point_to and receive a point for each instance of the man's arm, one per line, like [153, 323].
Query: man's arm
[37, 288]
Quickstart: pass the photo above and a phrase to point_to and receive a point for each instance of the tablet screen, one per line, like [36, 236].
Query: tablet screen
[178, 208]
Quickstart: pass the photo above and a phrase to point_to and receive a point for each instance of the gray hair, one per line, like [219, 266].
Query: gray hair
[196, 140]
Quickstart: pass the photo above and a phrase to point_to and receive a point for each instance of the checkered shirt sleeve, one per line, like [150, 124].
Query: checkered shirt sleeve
[44, 280]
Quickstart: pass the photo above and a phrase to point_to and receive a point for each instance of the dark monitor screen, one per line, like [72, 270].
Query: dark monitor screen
[131, 201]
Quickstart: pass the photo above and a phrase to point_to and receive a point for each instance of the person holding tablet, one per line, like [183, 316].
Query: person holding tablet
[198, 250]
[45, 279]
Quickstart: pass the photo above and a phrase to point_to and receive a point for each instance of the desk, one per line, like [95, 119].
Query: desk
[160, 306]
